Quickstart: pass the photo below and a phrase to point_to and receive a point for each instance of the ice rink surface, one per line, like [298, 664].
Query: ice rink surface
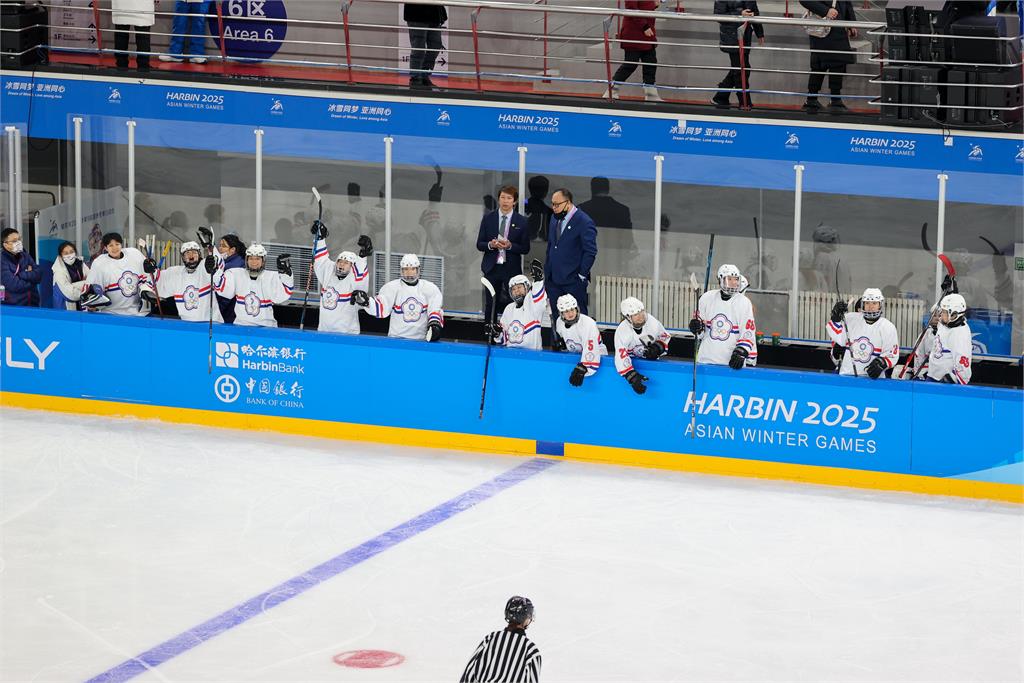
[118, 536]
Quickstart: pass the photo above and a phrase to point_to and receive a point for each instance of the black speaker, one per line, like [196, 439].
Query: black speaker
[998, 100]
[956, 96]
[892, 93]
[983, 40]
[927, 93]
[24, 34]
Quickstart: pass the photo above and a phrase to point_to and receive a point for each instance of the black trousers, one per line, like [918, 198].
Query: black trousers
[424, 46]
[835, 71]
[649, 60]
[499, 277]
[736, 75]
[141, 45]
[577, 289]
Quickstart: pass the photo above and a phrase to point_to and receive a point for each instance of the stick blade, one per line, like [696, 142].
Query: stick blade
[948, 265]
[316, 193]
[487, 285]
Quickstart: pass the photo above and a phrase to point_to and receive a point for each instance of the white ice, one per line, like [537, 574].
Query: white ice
[120, 534]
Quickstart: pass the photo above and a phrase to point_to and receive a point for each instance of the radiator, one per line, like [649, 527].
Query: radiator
[814, 309]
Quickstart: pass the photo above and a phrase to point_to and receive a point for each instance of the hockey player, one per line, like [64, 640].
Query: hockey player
[255, 289]
[945, 353]
[413, 305]
[507, 655]
[190, 285]
[342, 283]
[869, 342]
[578, 333]
[639, 335]
[119, 280]
[520, 323]
[725, 323]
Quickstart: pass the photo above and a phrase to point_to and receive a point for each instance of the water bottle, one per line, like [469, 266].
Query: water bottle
[3, 293]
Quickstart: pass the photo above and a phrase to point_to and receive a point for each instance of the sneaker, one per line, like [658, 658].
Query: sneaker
[198, 60]
[614, 93]
[651, 94]
[837, 107]
[170, 58]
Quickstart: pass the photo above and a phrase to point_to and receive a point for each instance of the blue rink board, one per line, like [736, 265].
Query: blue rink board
[758, 414]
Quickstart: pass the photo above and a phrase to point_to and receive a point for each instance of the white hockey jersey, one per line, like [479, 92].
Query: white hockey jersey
[864, 342]
[630, 344]
[946, 352]
[191, 291]
[727, 324]
[585, 339]
[120, 280]
[411, 308]
[255, 299]
[520, 325]
[337, 314]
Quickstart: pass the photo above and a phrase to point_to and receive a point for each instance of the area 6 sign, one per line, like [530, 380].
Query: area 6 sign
[253, 29]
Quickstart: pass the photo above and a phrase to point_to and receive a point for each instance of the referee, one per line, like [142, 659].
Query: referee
[506, 656]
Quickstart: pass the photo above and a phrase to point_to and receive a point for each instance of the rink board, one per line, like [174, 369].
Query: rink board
[803, 426]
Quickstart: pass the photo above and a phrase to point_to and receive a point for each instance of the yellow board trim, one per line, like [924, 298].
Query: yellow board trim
[703, 464]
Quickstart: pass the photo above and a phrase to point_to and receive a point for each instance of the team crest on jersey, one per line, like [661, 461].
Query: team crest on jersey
[252, 304]
[412, 310]
[191, 298]
[572, 345]
[862, 349]
[515, 332]
[128, 283]
[329, 298]
[721, 327]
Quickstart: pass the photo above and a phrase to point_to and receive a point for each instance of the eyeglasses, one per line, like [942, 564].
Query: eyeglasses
[12, 241]
[561, 203]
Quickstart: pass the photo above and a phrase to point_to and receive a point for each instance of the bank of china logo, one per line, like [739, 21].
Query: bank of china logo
[444, 118]
[226, 354]
[792, 141]
[277, 107]
[615, 130]
[227, 389]
[976, 153]
[114, 96]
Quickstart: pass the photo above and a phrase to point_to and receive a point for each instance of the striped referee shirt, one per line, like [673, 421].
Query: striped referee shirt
[504, 657]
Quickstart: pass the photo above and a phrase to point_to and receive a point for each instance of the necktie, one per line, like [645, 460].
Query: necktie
[503, 235]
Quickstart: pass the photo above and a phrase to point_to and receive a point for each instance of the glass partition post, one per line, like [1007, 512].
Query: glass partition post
[259, 184]
[659, 161]
[522, 179]
[388, 142]
[78, 185]
[11, 179]
[794, 292]
[18, 178]
[940, 239]
[131, 182]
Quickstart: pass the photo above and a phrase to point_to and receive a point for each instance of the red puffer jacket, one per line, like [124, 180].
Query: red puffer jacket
[633, 27]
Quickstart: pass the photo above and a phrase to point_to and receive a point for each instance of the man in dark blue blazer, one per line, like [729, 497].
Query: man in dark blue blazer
[503, 238]
[572, 250]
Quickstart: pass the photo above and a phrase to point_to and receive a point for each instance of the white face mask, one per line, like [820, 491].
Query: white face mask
[17, 247]
[69, 259]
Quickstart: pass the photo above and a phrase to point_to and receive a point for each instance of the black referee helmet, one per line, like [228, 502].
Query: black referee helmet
[518, 610]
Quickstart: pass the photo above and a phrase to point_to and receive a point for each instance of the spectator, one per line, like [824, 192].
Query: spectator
[538, 213]
[232, 250]
[188, 42]
[127, 14]
[21, 275]
[503, 238]
[640, 46]
[572, 250]
[834, 61]
[738, 78]
[424, 22]
[69, 274]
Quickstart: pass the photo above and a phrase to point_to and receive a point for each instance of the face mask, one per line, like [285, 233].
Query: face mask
[561, 214]
[69, 259]
[17, 247]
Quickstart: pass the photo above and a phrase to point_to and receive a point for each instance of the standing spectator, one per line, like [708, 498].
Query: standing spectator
[728, 42]
[232, 251]
[424, 22]
[189, 29]
[839, 54]
[538, 213]
[21, 275]
[640, 46]
[69, 274]
[504, 239]
[572, 250]
[127, 14]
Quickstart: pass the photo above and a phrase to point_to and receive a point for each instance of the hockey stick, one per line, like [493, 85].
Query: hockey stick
[213, 302]
[951, 271]
[760, 255]
[696, 341]
[846, 326]
[312, 257]
[144, 245]
[924, 238]
[490, 340]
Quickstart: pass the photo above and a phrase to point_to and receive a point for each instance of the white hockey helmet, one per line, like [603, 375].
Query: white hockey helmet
[955, 306]
[191, 246]
[566, 302]
[630, 306]
[872, 294]
[259, 251]
[347, 256]
[515, 281]
[410, 261]
[727, 270]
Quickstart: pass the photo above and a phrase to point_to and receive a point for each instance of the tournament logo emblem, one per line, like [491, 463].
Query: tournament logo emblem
[792, 141]
[515, 332]
[976, 153]
[1020, 155]
[191, 298]
[721, 327]
[252, 304]
[329, 298]
[277, 107]
[412, 310]
[615, 131]
[115, 96]
[128, 283]
[444, 118]
[862, 349]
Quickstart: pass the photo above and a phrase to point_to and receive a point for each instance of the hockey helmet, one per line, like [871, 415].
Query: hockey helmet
[725, 271]
[516, 281]
[344, 263]
[518, 611]
[255, 251]
[631, 308]
[872, 295]
[187, 247]
[410, 261]
[566, 303]
[955, 308]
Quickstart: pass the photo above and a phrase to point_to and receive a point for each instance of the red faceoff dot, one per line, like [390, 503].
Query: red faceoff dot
[368, 659]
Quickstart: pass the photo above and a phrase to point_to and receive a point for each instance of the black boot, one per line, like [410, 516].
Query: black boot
[721, 100]
[812, 105]
[836, 106]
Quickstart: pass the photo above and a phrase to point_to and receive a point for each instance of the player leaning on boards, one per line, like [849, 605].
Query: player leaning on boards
[865, 341]
[577, 332]
[256, 289]
[508, 655]
[342, 283]
[725, 323]
[639, 335]
[946, 352]
[412, 304]
[520, 322]
[189, 285]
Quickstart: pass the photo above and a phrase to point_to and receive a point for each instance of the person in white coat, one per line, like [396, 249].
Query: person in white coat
[69, 274]
[129, 14]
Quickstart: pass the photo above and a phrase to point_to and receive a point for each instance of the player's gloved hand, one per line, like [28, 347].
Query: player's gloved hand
[492, 331]
[359, 298]
[365, 246]
[577, 375]
[536, 270]
[149, 266]
[95, 299]
[653, 351]
[284, 264]
[434, 332]
[949, 285]
[636, 380]
[838, 351]
[318, 230]
[933, 322]
[210, 264]
[147, 294]
[205, 236]
[696, 326]
[876, 367]
[557, 343]
[838, 311]
[738, 358]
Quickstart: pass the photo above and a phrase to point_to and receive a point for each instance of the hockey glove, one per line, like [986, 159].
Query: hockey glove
[434, 332]
[149, 266]
[654, 351]
[738, 358]
[636, 380]
[876, 368]
[365, 246]
[536, 270]
[95, 300]
[359, 298]
[577, 375]
[205, 236]
[838, 311]
[557, 343]
[949, 285]
[319, 230]
[696, 326]
[284, 264]
[210, 264]
[837, 352]
[148, 296]
[492, 331]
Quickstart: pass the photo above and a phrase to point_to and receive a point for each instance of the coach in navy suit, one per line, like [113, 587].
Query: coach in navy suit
[572, 250]
[504, 238]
